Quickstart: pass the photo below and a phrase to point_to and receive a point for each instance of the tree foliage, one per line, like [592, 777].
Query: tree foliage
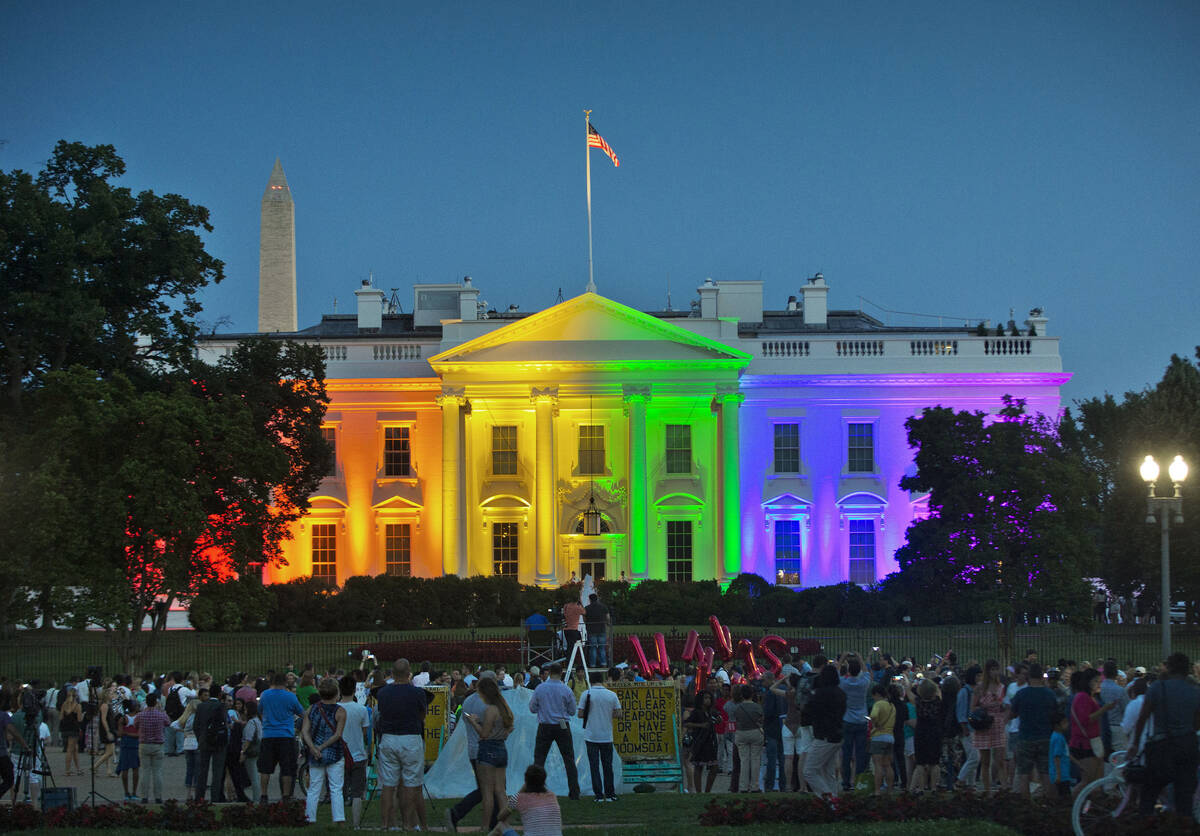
[1012, 513]
[1163, 421]
[136, 472]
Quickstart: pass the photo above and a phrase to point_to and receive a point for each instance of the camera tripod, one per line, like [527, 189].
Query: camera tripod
[33, 761]
[93, 740]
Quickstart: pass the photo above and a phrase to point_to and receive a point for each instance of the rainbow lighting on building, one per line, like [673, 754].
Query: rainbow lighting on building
[722, 439]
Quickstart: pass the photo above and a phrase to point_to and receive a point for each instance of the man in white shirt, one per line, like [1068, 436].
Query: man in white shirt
[1014, 725]
[598, 707]
[503, 679]
[422, 679]
[356, 733]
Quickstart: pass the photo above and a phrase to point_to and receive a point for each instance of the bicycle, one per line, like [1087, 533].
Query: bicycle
[1104, 800]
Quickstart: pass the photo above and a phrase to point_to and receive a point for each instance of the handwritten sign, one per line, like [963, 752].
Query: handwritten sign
[435, 719]
[647, 729]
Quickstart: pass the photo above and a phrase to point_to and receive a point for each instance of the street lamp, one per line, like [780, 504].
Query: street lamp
[1165, 508]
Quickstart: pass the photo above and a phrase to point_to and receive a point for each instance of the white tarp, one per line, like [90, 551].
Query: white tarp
[451, 775]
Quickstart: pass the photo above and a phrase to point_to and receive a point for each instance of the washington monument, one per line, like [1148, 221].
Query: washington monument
[277, 257]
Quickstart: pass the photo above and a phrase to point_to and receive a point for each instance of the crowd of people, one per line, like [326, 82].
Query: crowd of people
[816, 725]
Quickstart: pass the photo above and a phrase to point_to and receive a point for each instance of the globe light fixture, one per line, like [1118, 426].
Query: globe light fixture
[1166, 509]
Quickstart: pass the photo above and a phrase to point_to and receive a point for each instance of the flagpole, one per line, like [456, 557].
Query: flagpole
[587, 154]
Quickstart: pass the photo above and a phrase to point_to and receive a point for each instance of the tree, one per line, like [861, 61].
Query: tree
[1163, 421]
[1012, 515]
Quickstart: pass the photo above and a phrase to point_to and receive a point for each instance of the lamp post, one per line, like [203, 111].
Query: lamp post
[1165, 508]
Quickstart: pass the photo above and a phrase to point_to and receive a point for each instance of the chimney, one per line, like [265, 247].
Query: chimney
[793, 306]
[468, 299]
[708, 299]
[1036, 324]
[370, 307]
[814, 295]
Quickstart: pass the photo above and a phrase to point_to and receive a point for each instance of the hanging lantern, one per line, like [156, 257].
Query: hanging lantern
[591, 519]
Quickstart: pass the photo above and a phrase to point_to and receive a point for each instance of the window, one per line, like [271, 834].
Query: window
[591, 449]
[787, 552]
[860, 454]
[397, 454]
[397, 549]
[679, 550]
[862, 552]
[324, 552]
[504, 451]
[504, 548]
[679, 448]
[330, 436]
[787, 448]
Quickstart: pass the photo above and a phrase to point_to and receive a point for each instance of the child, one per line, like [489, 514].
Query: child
[128, 760]
[1060, 769]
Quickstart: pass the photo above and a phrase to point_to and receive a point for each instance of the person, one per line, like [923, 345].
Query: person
[554, 704]
[306, 692]
[540, 813]
[178, 695]
[598, 707]
[1112, 691]
[186, 726]
[9, 734]
[422, 678]
[573, 613]
[990, 742]
[235, 765]
[106, 716]
[400, 714]
[928, 724]
[251, 745]
[701, 725]
[357, 736]
[854, 735]
[901, 731]
[151, 725]
[322, 730]
[493, 727]
[595, 618]
[1035, 707]
[1059, 772]
[1021, 680]
[473, 704]
[824, 709]
[883, 737]
[51, 712]
[279, 709]
[127, 759]
[212, 738]
[1171, 755]
[748, 716]
[70, 727]
[968, 773]
[1085, 725]
[774, 706]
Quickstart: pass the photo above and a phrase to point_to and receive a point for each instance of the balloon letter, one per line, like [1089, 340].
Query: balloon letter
[691, 647]
[639, 656]
[764, 645]
[746, 649]
[723, 637]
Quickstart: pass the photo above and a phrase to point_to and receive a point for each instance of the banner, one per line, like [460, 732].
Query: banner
[646, 731]
[435, 719]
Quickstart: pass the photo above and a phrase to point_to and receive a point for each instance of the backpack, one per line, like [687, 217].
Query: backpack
[216, 733]
[174, 705]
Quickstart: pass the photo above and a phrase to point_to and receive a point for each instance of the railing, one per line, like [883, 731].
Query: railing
[932, 348]
[334, 352]
[1008, 345]
[785, 348]
[396, 351]
[860, 348]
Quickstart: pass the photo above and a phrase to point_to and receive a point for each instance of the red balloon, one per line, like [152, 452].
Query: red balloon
[703, 669]
[746, 648]
[691, 647]
[639, 656]
[664, 661]
[764, 644]
[723, 637]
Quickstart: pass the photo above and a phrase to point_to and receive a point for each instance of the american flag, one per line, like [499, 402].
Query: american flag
[597, 141]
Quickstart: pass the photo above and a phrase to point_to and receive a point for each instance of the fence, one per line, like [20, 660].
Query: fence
[57, 655]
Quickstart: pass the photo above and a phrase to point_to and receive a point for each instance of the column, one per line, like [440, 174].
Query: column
[635, 411]
[544, 402]
[730, 548]
[451, 402]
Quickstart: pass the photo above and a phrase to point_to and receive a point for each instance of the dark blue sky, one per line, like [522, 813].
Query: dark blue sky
[957, 158]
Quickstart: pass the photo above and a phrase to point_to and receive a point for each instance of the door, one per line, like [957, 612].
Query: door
[592, 562]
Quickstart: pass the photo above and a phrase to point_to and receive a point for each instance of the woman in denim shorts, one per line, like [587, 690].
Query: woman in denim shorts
[493, 727]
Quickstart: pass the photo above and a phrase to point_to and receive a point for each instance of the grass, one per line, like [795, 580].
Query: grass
[56, 654]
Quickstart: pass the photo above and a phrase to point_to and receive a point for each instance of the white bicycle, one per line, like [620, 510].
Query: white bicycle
[1104, 800]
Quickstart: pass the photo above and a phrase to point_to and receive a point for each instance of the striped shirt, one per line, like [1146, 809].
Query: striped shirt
[150, 724]
[539, 813]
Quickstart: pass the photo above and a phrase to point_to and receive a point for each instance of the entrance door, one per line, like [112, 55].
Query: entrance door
[592, 562]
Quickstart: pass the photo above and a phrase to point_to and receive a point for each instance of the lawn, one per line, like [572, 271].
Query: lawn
[57, 654]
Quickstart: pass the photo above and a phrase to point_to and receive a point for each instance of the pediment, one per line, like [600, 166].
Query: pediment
[401, 494]
[591, 331]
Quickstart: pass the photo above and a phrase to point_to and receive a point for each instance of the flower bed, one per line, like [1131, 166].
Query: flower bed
[1039, 818]
[172, 816]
